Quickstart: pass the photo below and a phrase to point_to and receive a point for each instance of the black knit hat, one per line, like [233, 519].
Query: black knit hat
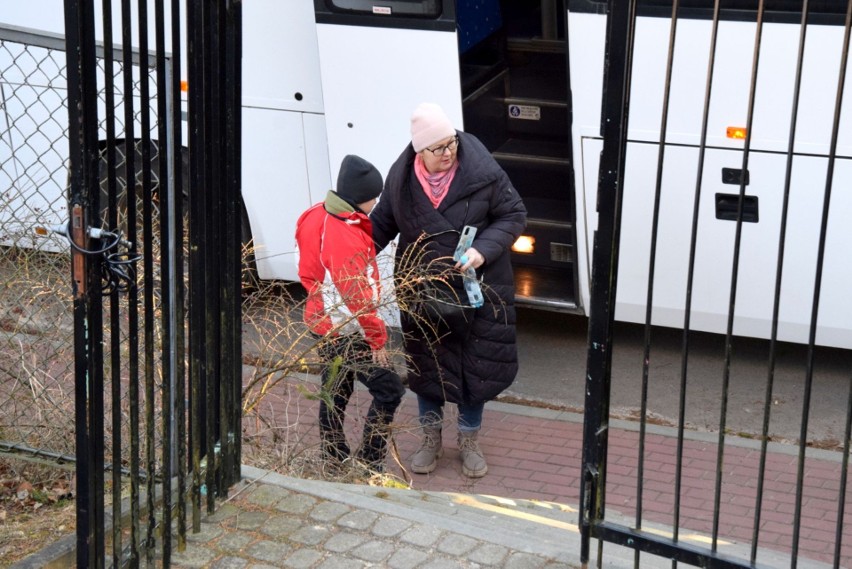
[358, 181]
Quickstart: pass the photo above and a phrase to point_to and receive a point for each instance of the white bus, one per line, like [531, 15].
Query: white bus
[325, 78]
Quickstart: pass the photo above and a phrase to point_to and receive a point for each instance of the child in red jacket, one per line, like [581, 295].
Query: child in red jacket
[337, 267]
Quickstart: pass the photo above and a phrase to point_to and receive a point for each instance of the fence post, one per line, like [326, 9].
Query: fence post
[232, 280]
[88, 329]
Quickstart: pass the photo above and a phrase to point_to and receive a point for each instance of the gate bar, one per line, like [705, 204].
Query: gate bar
[133, 290]
[147, 279]
[844, 479]
[176, 206]
[88, 328]
[232, 274]
[197, 367]
[649, 302]
[168, 243]
[829, 181]
[782, 240]
[677, 551]
[212, 281]
[614, 118]
[726, 375]
[690, 280]
[109, 156]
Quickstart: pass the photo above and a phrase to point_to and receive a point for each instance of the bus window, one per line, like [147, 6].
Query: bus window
[476, 21]
[411, 8]
[821, 11]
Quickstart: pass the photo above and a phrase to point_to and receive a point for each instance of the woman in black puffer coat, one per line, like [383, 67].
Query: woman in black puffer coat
[444, 180]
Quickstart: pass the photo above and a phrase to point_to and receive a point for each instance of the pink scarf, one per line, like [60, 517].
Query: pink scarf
[435, 185]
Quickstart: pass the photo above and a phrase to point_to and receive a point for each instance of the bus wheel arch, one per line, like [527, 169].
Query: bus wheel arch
[248, 261]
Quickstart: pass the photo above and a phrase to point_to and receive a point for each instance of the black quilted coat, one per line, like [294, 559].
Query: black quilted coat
[474, 359]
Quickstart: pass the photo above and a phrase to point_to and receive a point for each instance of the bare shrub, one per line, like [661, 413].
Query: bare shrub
[282, 358]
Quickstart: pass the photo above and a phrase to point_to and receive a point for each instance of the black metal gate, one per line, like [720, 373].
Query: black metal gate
[158, 362]
[614, 185]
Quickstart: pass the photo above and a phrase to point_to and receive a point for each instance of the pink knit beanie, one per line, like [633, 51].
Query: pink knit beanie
[429, 125]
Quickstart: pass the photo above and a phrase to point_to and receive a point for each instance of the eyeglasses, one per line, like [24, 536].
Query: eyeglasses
[439, 150]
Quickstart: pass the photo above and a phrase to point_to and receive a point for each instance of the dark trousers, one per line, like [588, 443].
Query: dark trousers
[346, 359]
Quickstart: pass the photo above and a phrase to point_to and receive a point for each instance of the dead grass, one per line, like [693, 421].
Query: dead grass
[36, 508]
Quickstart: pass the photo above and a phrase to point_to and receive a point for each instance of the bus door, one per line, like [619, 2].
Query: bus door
[517, 101]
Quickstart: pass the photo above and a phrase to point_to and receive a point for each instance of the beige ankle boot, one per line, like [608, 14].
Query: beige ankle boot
[473, 461]
[425, 460]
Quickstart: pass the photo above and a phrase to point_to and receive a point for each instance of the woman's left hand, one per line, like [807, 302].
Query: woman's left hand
[471, 258]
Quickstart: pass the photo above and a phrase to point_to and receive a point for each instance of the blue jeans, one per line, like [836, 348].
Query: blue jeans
[432, 413]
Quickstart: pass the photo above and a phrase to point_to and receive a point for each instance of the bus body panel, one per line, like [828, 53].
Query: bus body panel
[730, 88]
[374, 78]
[285, 148]
[280, 57]
[715, 245]
[276, 183]
[770, 132]
[316, 145]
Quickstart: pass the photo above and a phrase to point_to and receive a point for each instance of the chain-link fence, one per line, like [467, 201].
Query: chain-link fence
[36, 320]
[36, 323]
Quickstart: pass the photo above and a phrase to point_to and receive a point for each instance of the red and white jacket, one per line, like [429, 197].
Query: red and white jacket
[337, 267]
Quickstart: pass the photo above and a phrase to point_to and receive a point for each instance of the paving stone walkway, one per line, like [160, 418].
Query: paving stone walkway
[276, 521]
[522, 514]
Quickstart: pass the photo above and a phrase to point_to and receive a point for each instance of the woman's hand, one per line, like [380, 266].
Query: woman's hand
[471, 258]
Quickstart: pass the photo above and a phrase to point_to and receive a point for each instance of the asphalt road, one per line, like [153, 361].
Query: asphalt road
[552, 353]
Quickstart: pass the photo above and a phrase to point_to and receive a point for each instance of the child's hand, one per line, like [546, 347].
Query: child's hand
[381, 358]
